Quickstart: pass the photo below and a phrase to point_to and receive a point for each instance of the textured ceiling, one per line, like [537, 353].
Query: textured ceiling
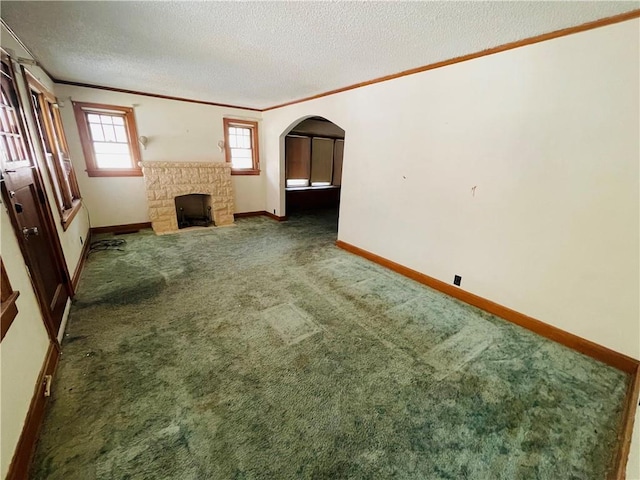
[259, 54]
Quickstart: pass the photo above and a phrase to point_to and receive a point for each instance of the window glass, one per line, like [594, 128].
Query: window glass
[241, 141]
[108, 134]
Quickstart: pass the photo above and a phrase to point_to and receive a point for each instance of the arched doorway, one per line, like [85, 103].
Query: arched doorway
[313, 156]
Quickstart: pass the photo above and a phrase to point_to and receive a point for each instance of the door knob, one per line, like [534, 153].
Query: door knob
[27, 232]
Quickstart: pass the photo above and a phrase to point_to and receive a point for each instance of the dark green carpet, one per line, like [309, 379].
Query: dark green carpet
[263, 351]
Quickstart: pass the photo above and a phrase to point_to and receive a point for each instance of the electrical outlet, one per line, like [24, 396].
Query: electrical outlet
[457, 280]
[48, 379]
[274, 211]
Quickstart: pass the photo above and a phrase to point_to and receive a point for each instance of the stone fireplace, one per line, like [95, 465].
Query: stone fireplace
[165, 181]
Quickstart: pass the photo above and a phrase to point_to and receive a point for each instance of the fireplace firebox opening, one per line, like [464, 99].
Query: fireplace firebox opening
[194, 210]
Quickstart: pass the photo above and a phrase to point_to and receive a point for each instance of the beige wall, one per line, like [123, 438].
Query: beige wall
[22, 350]
[177, 131]
[69, 239]
[24, 347]
[548, 135]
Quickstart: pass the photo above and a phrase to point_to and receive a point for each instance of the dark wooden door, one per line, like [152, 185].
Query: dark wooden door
[27, 203]
[28, 207]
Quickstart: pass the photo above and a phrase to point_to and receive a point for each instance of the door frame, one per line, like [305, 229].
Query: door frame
[45, 209]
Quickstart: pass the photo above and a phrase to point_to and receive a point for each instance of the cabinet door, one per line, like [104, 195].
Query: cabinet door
[321, 161]
[338, 153]
[298, 158]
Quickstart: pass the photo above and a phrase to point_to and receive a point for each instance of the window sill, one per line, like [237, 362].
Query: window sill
[248, 171]
[312, 187]
[116, 172]
[9, 313]
[70, 214]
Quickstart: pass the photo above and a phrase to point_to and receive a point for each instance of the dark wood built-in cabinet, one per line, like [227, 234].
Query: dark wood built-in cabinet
[8, 299]
[313, 166]
[298, 157]
[313, 161]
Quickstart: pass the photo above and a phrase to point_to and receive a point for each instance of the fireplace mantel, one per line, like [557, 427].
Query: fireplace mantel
[164, 181]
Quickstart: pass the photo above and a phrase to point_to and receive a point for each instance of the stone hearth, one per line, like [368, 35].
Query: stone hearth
[165, 181]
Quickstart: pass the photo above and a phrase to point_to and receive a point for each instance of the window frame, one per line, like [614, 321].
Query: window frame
[81, 110]
[255, 143]
[21, 125]
[8, 307]
[50, 129]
